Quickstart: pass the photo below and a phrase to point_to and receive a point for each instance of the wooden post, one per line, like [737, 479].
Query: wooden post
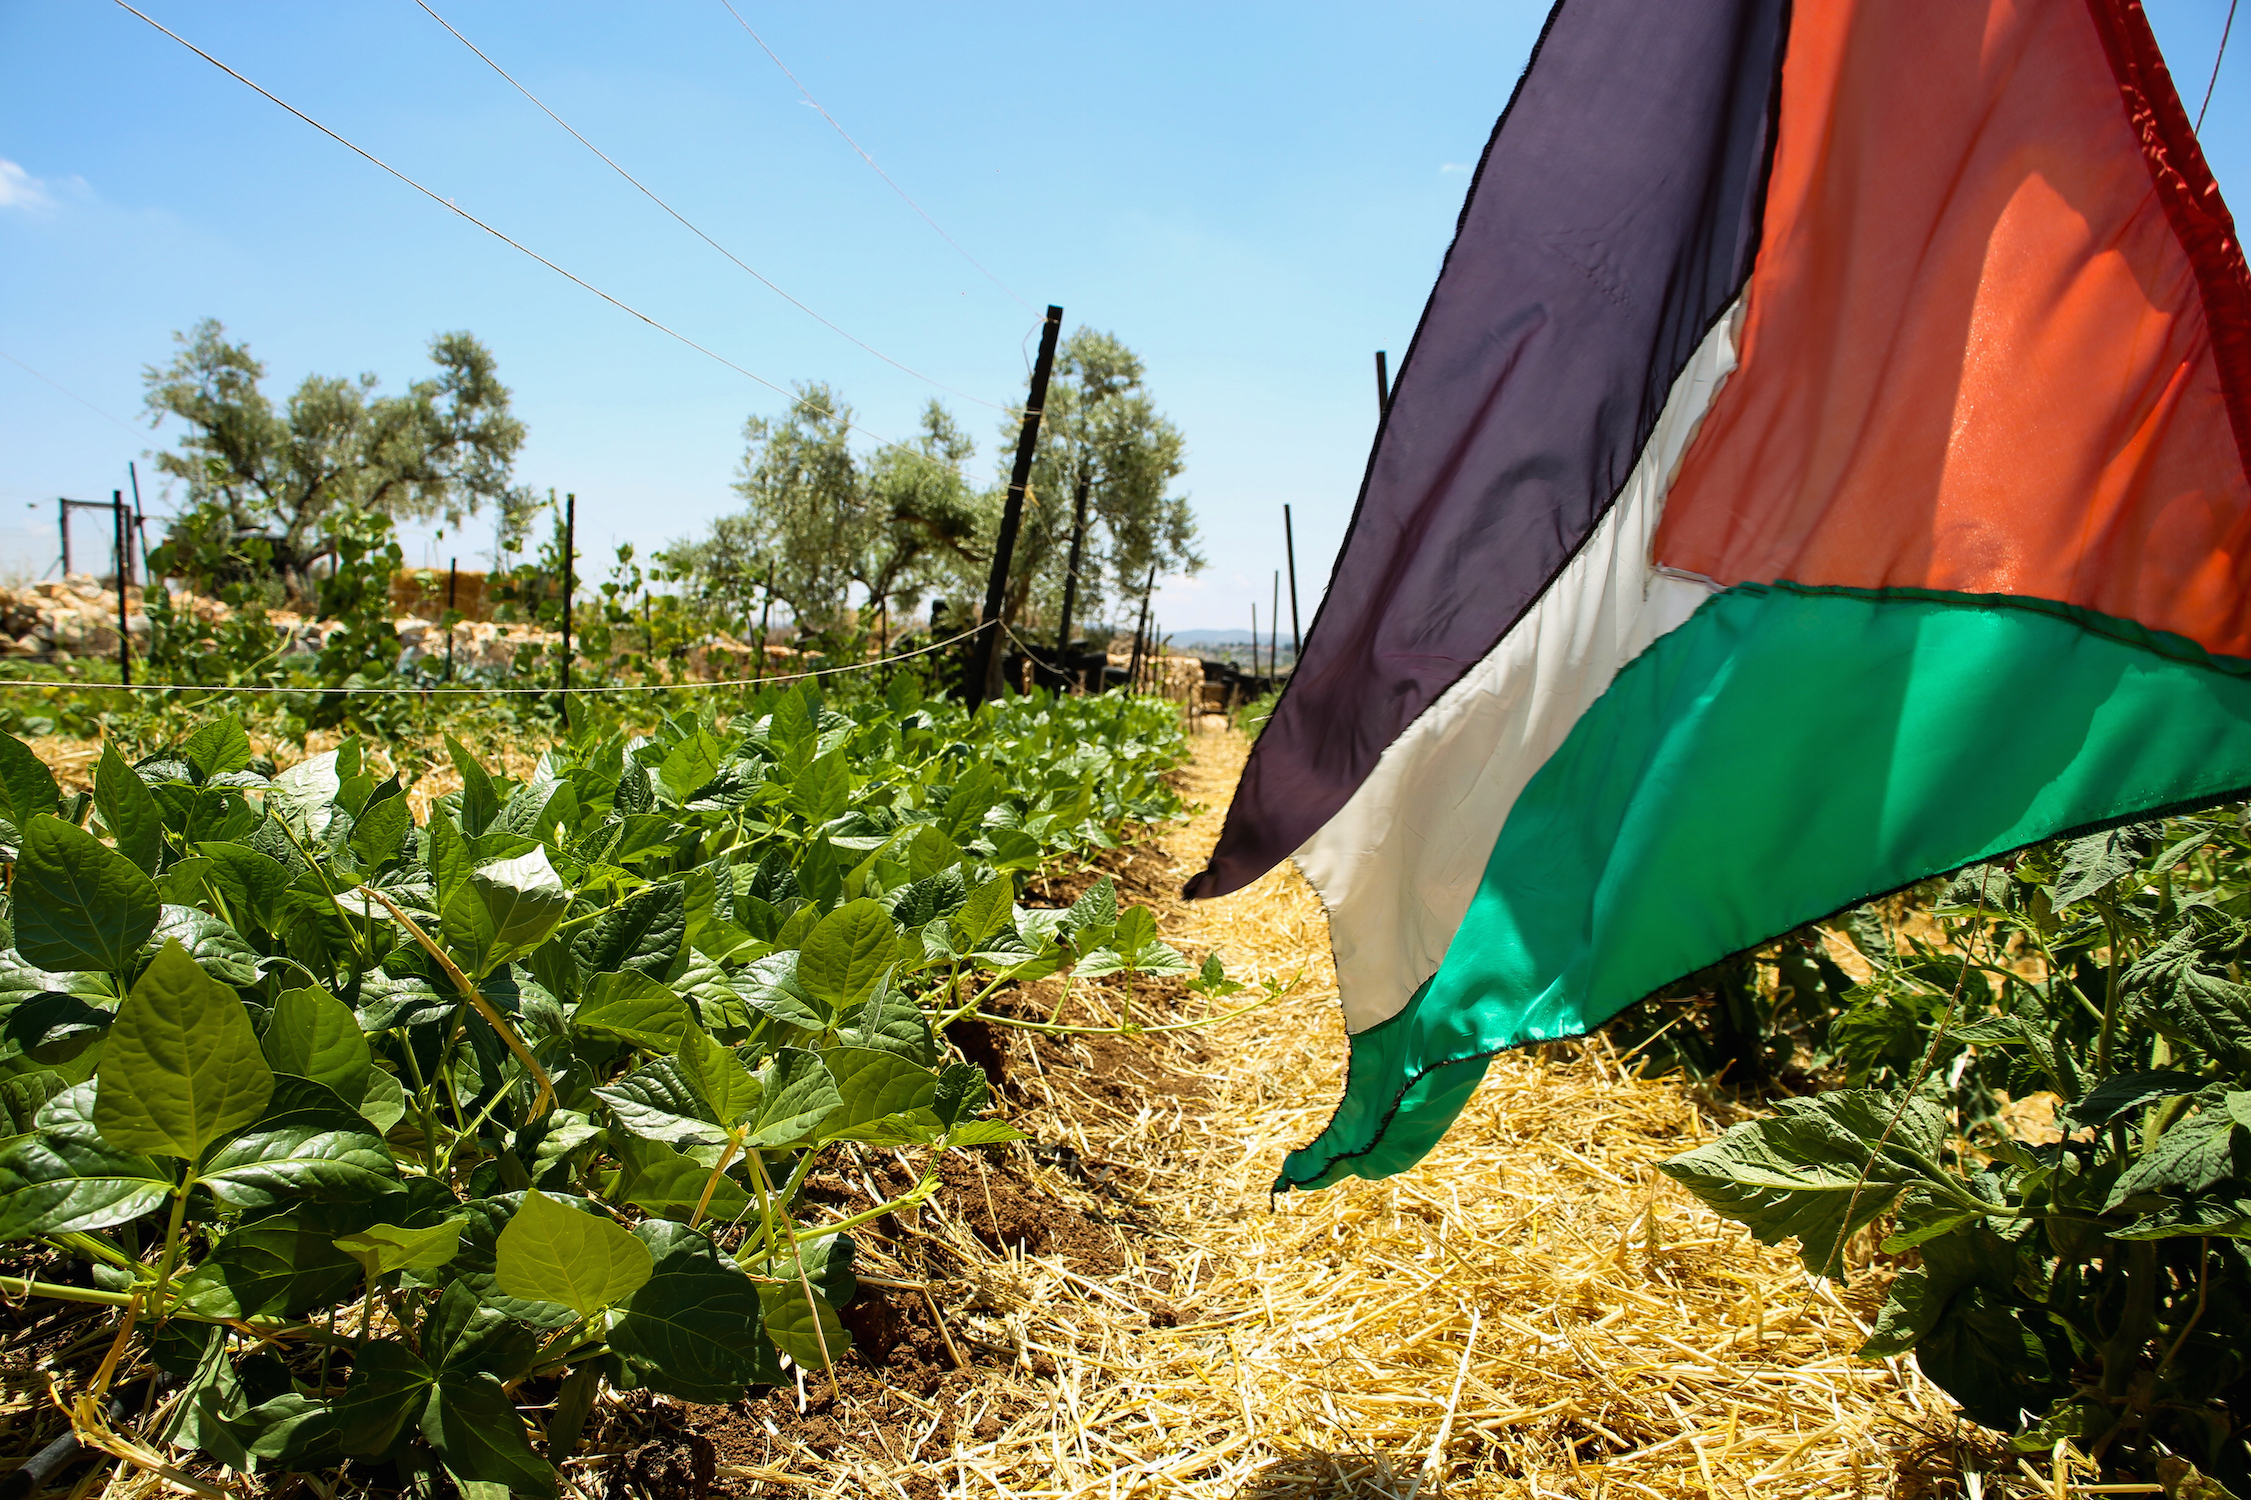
[453, 590]
[984, 676]
[1071, 577]
[124, 564]
[1383, 385]
[1289, 542]
[62, 508]
[570, 553]
[1274, 631]
[1140, 632]
[765, 616]
[139, 530]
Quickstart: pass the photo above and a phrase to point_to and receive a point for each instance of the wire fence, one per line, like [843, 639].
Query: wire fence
[385, 691]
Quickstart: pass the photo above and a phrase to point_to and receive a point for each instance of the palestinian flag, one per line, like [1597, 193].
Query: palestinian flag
[1821, 465]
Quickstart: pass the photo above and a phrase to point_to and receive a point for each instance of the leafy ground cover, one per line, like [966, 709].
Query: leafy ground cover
[348, 1138]
[2073, 1274]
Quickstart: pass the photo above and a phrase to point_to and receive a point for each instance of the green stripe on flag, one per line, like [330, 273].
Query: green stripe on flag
[1786, 753]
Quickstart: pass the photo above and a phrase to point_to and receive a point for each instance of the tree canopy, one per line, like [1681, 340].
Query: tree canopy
[827, 521]
[292, 478]
[1101, 424]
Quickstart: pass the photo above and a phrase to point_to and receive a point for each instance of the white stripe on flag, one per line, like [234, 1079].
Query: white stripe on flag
[1398, 865]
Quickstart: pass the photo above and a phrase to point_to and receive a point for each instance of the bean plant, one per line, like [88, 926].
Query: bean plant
[2085, 1281]
[392, 1142]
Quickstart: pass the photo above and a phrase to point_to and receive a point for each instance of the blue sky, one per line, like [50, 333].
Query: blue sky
[1255, 197]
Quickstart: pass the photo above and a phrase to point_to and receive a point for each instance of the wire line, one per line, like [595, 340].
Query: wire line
[856, 146]
[796, 399]
[692, 229]
[497, 692]
[2225, 27]
[66, 390]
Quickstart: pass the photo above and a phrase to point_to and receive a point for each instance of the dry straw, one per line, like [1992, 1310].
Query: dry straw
[1534, 1311]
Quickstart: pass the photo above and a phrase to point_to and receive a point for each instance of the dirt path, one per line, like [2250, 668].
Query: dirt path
[1534, 1311]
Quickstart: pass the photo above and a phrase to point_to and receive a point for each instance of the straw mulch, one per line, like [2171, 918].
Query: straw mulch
[1534, 1311]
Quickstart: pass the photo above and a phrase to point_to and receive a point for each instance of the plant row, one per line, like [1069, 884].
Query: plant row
[2085, 1280]
[384, 1136]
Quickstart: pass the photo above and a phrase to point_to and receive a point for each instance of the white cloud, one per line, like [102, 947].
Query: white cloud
[1451, 166]
[19, 189]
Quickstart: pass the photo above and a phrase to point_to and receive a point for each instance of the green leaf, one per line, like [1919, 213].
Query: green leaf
[23, 1096]
[212, 1394]
[216, 948]
[182, 1068]
[480, 800]
[709, 932]
[2194, 1156]
[503, 909]
[309, 1144]
[383, 1248]
[1014, 849]
[1985, 1354]
[476, 1430]
[645, 933]
[1212, 982]
[931, 852]
[2124, 1094]
[586, 1262]
[823, 789]
[464, 1333]
[383, 1105]
[282, 1267]
[128, 811]
[962, 1090]
[249, 881]
[2191, 1003]
[77, 903]
[1819, 1169]
[799, 1097]
[886, 1098]
[847, 954]
[27, 787]
[984, 1133]
[389, 1387]
[986, 911]
[659, 1102]
[304, 796]
[769, 986]
[1097, 908]
[2099, 860]
[966, 805]
[669, 1183]
[695, 1329]
[891, 1022]
[218, 747]
[380, 831]
[473, 1271]
[729, 1088]
[635, 1008]
[690, 765]
[65, 1177]
[790, 1321]
[315, 1035]
[291, 1431]
[1953, 1263]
